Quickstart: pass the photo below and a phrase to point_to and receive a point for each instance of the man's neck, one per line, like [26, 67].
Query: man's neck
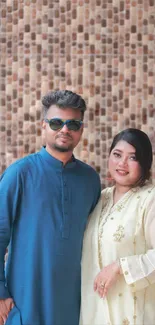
[65, 157]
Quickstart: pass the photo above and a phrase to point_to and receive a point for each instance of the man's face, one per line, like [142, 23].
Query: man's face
[62, 140]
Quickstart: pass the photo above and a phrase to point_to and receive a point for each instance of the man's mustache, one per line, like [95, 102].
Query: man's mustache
[65, 135]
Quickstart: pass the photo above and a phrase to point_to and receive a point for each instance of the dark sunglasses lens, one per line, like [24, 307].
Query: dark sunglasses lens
[55, 124]
[74, 125]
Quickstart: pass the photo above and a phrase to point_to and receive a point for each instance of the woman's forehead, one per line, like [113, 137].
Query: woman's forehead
[123, 145]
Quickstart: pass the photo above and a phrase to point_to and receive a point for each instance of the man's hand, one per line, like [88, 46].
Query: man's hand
[5, 306]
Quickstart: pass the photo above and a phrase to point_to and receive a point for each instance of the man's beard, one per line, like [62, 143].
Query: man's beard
[62, 149]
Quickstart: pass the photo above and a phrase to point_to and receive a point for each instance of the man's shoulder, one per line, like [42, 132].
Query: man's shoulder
[84, 165]
[87, 169]
[21, 164]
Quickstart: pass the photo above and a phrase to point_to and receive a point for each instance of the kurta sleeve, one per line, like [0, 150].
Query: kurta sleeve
[139, 270]
[9, 198]
[97, 192]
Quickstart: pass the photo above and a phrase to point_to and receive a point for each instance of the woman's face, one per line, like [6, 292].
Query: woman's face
[123, 166]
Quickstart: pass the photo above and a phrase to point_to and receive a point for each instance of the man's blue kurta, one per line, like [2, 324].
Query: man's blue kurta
[43, 212]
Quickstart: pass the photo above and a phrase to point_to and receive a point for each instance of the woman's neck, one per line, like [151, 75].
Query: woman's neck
[119, 192]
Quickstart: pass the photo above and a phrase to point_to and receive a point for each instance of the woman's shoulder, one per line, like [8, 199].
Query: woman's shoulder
[106, 195]
[107, 192]
[104, 198]
[147, 190]
[146, 194]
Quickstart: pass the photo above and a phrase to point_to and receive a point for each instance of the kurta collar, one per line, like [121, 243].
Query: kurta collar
[55, 162]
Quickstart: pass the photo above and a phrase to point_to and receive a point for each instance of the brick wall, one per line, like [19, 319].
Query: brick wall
[103, 50]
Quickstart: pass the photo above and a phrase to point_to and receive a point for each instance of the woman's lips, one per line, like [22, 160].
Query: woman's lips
[122, 172]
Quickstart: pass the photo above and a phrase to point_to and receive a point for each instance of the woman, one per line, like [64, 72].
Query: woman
[118, 264]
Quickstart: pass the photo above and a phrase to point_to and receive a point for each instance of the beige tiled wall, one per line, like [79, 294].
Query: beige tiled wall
[102, 49]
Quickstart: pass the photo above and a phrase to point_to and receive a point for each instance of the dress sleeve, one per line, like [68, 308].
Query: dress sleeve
[139, 270]
[9, 196]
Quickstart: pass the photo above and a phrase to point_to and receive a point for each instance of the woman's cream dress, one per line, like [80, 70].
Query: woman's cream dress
[124, 231]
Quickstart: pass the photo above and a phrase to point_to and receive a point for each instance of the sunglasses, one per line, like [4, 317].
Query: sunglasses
[57, 124]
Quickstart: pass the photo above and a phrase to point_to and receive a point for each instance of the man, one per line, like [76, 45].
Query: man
[46, 198]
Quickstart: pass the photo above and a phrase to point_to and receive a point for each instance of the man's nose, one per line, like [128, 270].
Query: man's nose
[65, 128]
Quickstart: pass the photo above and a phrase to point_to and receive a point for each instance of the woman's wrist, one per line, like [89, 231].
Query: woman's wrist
[119, 266]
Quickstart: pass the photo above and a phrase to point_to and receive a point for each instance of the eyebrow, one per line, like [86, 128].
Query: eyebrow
[131, 153]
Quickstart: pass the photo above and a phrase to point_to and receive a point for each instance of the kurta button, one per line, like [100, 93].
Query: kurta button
[65, 198]
[64, 183]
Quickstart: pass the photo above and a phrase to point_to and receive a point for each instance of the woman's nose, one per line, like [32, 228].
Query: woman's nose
[123, 161]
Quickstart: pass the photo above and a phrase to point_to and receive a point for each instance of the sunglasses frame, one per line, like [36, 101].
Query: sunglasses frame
[64, 122]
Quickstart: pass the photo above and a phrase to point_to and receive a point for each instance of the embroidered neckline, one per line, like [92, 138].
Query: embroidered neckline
[109, 207]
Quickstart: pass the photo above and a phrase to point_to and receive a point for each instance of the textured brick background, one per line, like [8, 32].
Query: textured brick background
[103, 50]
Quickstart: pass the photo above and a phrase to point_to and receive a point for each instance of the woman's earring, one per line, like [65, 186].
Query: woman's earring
[109, 178]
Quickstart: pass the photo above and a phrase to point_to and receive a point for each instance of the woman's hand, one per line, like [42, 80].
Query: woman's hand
[106, 278]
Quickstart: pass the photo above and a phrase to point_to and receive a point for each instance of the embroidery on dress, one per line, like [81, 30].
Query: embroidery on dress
[119, 207]
[119, 234]
[126, 321]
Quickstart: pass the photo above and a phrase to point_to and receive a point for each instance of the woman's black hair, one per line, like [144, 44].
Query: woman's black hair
[141, 142]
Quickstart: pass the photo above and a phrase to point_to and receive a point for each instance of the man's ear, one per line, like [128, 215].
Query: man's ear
[43, 124]
[82, 128]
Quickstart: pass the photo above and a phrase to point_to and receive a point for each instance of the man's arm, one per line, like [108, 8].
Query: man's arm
[9, 198]
[97, 191]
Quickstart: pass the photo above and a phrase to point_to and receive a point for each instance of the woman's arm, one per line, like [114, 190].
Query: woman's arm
[139, 270]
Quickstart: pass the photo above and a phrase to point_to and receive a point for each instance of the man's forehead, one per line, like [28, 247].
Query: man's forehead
[55, 111]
